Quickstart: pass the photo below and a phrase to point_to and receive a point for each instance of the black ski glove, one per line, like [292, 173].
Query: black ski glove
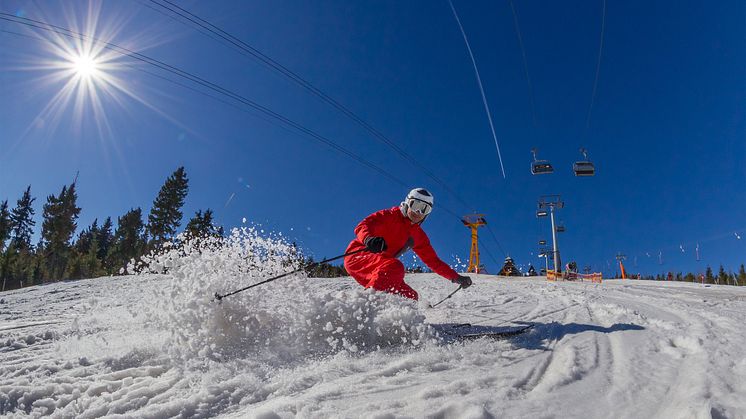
[375, 244]
[463, 280]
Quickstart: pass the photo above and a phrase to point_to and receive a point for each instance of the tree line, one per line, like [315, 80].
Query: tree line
[99, 249]
[708, 277]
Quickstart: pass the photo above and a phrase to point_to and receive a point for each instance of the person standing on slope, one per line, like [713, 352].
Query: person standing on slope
[386, 235]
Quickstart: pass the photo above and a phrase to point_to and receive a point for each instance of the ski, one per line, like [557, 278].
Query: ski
[466, 331]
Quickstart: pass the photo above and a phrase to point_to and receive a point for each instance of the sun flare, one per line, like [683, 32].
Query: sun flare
[88, 73]
[85, 66]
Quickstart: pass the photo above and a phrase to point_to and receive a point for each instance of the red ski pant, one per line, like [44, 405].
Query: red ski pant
[380, 272]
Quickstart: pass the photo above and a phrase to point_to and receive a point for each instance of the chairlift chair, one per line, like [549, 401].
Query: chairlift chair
[584, 167]
[540, 167]
[560, 228]
[542, 242]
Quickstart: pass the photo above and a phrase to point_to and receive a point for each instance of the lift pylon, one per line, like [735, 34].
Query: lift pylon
[474, 221]
[620, 257]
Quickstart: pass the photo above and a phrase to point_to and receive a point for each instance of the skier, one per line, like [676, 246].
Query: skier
[386, 235]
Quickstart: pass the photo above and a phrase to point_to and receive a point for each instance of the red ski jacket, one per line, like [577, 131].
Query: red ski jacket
[400, 235]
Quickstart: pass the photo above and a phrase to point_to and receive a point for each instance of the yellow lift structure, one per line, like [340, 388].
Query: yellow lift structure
[474, 221]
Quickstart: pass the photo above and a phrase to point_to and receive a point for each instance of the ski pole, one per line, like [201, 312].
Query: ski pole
[219, 297]
[449, 296]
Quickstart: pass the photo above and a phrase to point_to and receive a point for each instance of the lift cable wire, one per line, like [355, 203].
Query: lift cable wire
[598, 65]
[186, 75]
[481, 88]
[525, 64]
[183, 74]
[177, 83]
[496, 241]
[482, 246]
[244, 47]
[196, 79]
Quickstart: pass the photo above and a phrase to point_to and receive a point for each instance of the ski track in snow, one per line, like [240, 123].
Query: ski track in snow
[156, 346]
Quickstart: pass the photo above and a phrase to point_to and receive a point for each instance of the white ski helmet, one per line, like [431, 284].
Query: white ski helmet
[419, 200]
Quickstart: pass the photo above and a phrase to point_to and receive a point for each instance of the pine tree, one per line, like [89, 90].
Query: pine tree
[722, 276]
[17, 265]
[165, 215]
[201, 225]
[91, 263]
[60, 221]
[128, 242]
[86, 237]
[105, 239]
[709, 278]
[4, 224]
[85, 265]
[22, 222]
[23, 267]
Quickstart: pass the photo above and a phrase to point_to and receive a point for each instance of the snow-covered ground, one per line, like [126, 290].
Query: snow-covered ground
[157, 346]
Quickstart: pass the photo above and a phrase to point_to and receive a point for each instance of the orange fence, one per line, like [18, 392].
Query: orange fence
[573, 276]
[594, 277]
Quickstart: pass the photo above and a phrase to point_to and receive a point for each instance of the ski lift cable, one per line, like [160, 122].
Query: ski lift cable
[481, 88]
[286, 123]
[598, 65]
[496, 241]
[218, 89]
[196, 79]
[244, 47]
[233, 105]
[525, 63]
[201, 30]
[487, 250]
[247, 48]
[174, 82]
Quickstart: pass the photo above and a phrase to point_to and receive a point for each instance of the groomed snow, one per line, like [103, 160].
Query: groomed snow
[157, 345]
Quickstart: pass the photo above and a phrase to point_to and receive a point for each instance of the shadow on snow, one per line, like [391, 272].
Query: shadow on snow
[536, 336]
[542, 334]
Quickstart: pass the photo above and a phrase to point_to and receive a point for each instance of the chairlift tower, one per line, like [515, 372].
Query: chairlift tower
[620, 257]
[474, 221]
[551, 202]
[544, 253]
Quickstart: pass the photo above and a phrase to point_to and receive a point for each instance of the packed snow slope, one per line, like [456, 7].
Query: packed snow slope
[157, 345]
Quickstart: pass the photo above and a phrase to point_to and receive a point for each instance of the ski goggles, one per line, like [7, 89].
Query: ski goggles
[420, 207]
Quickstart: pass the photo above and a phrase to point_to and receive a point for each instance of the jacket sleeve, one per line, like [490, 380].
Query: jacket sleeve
[370, 225]
[425, 251]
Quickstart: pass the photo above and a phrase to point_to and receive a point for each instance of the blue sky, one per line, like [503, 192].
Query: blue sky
[667, 129]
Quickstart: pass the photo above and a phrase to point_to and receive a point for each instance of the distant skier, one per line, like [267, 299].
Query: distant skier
[386, 235]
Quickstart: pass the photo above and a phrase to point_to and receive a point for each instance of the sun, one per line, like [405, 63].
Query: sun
[88, 77]
[85, 66]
